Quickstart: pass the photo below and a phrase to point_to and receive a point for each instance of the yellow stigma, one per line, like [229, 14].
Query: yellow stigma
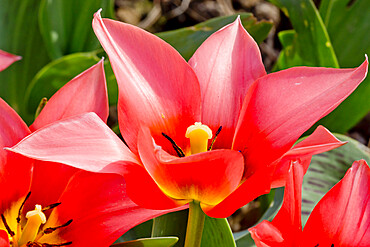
[34, 220]
[198, 134]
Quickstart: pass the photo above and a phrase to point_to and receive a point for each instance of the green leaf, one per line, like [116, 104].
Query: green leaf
[243, 238]
[348, 28]
[216, 232]
[57, 73]
[20, 35]
[149, 242]
[66, 25]
[172, 224]
[187, 40]
[327, 169]
[310, 45]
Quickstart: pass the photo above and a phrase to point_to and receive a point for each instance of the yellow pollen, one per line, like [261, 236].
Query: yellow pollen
[34, 220]
[198, 134]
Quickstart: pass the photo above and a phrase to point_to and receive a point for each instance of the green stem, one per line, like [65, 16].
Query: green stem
[195, 225]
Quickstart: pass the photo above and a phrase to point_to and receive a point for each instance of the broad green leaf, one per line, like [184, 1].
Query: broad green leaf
[243, 238]
[311, 45]
[172, 224]
[57, 73]
[327, 169]
[150, 242]
[216, 232]
[20, 34]
[348, 28]
[187, 40]
[66, 25]
[348, 25]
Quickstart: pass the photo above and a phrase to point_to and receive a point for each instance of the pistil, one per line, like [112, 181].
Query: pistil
[34, 220]
[198, 134]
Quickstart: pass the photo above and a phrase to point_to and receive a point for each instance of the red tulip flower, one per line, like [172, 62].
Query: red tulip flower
[50, 204]
[217, 129]
[341, 217]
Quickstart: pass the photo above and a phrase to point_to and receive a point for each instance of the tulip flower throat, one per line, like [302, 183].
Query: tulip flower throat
[28, 234]
[198, 135]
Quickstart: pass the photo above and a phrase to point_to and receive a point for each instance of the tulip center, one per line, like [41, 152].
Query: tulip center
[198, 134]
[34, 220]
[29, 234]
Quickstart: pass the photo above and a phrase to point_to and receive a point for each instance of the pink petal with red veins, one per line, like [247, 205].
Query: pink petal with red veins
[84, 142]
[4, 239]
[321, 140]
[208, 177]
[7, 59]
[157, 88]
[86, 92]
[98, 204]
[272, 119]
[15, 171]
[266, 234]
[226, 64]
[342, 217]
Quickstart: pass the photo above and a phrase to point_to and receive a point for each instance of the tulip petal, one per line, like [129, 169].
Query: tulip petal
[49, 180]
[279, 107]
[208, 177]
[286, 227]
[226, 64]
[342, 217]
[157, 88]
[86, 92]
[84, 142]
[288, 219]
[98, 204]
[12, 127]
[266, 234]
[144, 191]
[7, 59]
[15, 171]
[254, 186]
[321, 140]
[4, 239]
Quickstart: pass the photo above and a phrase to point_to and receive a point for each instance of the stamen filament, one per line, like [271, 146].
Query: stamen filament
[10, 232]
[51, 206]
[52, 229]
[35, 244]
[178, 150]
[214, 138]
[20, 208]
